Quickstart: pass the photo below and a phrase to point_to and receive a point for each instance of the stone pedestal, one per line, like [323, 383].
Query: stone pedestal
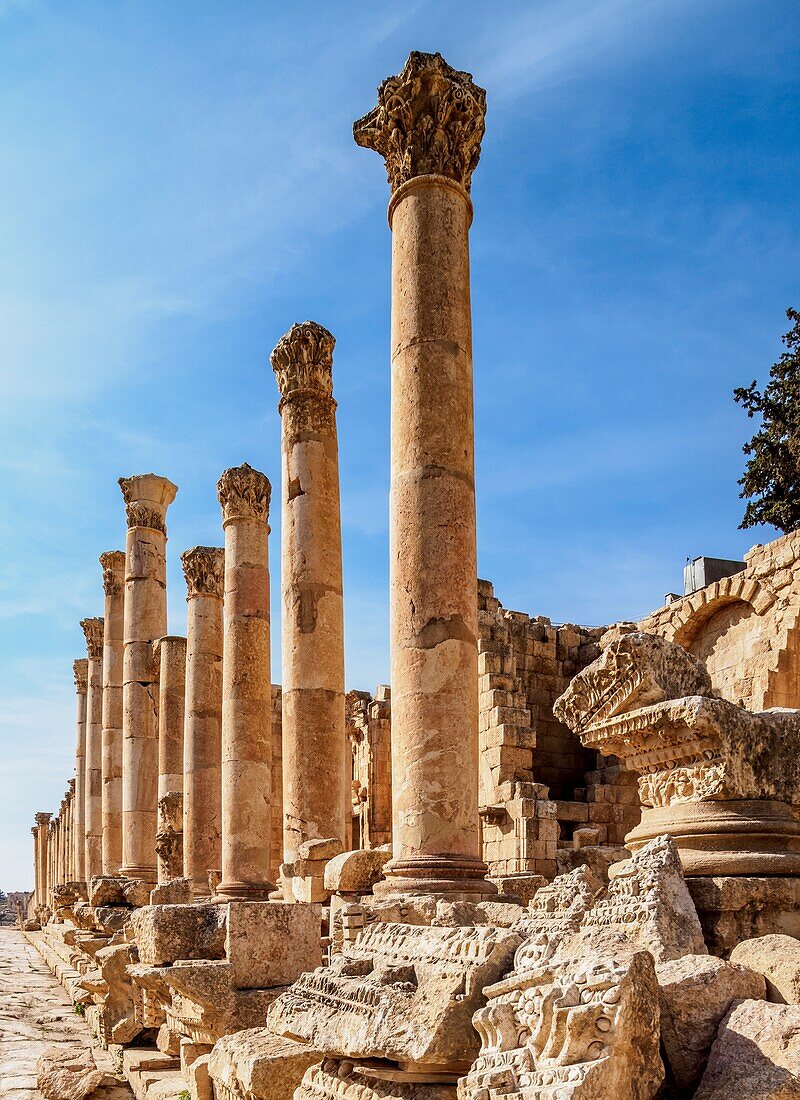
[244, 494]
[204, 569]
[147, 498]
[93, 782]
[113, 563]
[81, 671]
[433, 573]
[170, 653]
[316, 786]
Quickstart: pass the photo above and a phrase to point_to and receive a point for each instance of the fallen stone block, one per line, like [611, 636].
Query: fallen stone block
[778, 959]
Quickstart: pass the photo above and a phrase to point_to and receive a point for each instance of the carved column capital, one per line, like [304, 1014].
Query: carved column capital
[34, 831]
[71, 785]
[303, 361]
[43, 818]
[80, 670]
[113, 563]
[93, 632]
[244, 493]
[204, 570]
[429, 121]
[147, 497]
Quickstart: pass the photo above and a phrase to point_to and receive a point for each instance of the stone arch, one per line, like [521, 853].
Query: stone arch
[693, 612]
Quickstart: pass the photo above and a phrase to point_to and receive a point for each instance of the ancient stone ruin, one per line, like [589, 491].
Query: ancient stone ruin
[547, 862]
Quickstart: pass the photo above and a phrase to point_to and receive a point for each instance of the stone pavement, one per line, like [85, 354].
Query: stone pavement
[35, 1014]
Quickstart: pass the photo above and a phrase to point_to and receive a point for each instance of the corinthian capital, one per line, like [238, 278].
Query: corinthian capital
[43, 818]
[80, 670]
[303, 360]
[93, 632]
[113, 563]
[204, 570]
[429, 121]
[147, 498]
[244, 493]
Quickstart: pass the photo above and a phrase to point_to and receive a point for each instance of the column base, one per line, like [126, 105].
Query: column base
[460, 879]
[146, 874]
[726, 837]
[244, 891]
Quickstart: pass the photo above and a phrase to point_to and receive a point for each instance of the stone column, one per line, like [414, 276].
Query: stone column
[71, 833]
[52, 841]
[36, 868]
[43, 874]
[93, 783]
[113, 563]
[428, 127]
[204, 569]
[170, 652]
[81, 672]
[315, 796]
[244, 494]
[147, 498]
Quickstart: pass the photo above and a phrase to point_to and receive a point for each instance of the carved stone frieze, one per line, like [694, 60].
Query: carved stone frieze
[303, 360]
[93, 632]
[113, 563]
[429, 121]
[244, 493]
[204, 570]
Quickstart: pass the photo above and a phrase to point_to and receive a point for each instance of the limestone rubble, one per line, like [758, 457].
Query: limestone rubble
[547, 862]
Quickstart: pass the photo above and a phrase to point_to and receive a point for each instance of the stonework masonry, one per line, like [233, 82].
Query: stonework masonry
[113, 565]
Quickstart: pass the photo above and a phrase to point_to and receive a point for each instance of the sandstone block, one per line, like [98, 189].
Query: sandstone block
[778, 959]
[271, 943]
[355, 872]
[696, 992]
[756, 1055]
[68, 1074]
[166, 933]
[259, 1064]
[177, 891]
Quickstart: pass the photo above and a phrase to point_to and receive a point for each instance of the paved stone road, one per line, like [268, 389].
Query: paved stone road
[35, 1013]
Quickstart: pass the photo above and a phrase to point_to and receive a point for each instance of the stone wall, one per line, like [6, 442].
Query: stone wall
[745, 627]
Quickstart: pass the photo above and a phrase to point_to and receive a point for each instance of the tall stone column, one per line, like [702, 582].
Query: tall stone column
[37, 875]
[315, 747]
[171, 654]
[93, 783]
[147, 498]
[244, 494]
[71, 832]
[81, 671]
[204, 569]
[113, 563]
[428, 126]
[52, 840]
[43, 848]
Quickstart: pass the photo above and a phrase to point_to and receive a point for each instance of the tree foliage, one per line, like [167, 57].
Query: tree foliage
[771, 481]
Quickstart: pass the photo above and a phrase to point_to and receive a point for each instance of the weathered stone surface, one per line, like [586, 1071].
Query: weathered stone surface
[696, 991]
[271, 943]
[176, 891]
[355, 872]
[118, 1016]
[108, 890]
[68, 1074]
[778, 959]
[341, 1079]
[205, 1005]
[400, 992]
[756, 1055]
[111, 918]
[165, 933]
[583, 1028]
[259, 1064]
[733, 908]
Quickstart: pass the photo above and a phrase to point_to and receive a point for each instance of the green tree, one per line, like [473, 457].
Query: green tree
[771, 481]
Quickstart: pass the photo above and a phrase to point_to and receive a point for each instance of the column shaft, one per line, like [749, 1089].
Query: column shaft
[204, 569]
[113, 563]
[315, 746]
[81, 670]
[147, 498]
[93, 783]
[246, 693]
[171, 655]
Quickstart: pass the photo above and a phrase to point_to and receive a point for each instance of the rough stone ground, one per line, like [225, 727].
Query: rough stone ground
[35, 1014]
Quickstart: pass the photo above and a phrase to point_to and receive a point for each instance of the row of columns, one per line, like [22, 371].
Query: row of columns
[194, 714]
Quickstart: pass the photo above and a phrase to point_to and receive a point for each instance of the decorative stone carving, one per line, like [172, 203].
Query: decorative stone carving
[93, 632]
[429, 121]
[244, 493]
[584, 1027]
[401, 993]
[204, 570]
[303, 360]
[80, 670]
[113, 563]
[718, 778]
[147, 497]
[341, 1079]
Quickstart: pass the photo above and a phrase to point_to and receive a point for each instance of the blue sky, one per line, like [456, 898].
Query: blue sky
[180, 184]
